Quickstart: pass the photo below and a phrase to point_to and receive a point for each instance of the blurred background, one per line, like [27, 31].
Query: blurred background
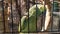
[11, 12]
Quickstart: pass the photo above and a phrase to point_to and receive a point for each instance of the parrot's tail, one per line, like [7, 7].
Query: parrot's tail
[22, 20]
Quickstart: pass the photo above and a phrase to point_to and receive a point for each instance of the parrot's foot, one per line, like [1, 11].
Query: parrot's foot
[43, 29]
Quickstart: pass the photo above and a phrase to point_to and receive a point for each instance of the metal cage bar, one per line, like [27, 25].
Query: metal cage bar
[18, 8]
[28, 6]
[12, 15]
[3, 14]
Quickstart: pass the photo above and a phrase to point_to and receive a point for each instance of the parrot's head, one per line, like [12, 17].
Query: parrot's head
[41, 8]
[41, 1]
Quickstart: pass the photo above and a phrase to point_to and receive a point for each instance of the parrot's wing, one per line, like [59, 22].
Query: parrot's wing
[40, 8]
[22, 20]
[32, 10]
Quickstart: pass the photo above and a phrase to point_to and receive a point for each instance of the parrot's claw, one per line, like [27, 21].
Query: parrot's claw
[42, 29]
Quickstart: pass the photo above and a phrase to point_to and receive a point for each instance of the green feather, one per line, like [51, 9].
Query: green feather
[32, 18]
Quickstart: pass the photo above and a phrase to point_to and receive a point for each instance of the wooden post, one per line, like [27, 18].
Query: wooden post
[59, 5]
[6, 19]
[6, 13]
[59, 17]
[48, 3]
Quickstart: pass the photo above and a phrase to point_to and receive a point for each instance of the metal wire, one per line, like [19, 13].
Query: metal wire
[3, 14]
[12, 15]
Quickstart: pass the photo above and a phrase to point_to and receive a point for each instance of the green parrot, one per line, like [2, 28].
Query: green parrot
[31, 25]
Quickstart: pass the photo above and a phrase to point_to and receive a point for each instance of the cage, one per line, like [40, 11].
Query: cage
[12, 11]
